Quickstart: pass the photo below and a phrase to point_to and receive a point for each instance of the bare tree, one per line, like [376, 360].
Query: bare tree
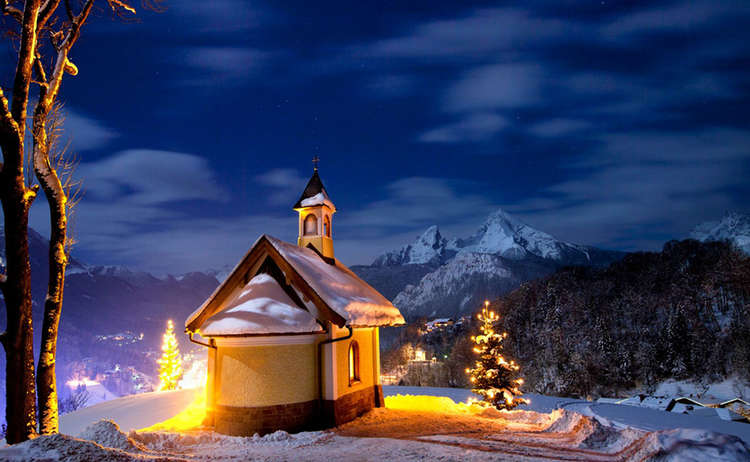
[37, 21]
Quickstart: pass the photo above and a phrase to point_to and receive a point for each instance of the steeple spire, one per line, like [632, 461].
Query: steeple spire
[315, 215]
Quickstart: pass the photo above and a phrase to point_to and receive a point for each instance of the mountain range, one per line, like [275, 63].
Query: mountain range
[436, 276]
[432, 276]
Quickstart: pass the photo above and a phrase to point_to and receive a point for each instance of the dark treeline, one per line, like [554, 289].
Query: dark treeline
[681, 313]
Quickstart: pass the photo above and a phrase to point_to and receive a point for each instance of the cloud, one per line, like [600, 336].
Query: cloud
[414, 203]
[481, 33]
[390, 85]
[676, 17]
[221, 16]
[654, 186]
[155, 237]
[285, 184]
[475, 128]
[183, 244]
[558, 127]
[222, 65]
[135, 194]
[150, 177]
[495, 86]
[84, 133]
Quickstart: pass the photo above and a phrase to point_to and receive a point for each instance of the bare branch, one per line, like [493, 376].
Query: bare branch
[69, 10]
[48, 8]
[11, 11]
[26, 56]
[41, 74]
[75, 27]
[115, 4]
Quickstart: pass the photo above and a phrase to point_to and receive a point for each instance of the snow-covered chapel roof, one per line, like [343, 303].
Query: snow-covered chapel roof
[261, 307]
[328, 290]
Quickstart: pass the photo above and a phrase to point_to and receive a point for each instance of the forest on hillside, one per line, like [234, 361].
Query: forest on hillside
[681, 313]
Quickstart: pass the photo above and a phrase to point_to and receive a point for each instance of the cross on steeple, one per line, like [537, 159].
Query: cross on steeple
[315, 161]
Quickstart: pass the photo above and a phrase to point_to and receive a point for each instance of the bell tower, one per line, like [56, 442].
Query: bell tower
[315, 215]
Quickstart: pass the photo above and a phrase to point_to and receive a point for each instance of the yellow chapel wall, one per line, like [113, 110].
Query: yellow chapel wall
[248, 376]
[369, 356]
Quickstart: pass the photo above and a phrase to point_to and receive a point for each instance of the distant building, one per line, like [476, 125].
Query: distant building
[439, 323]
[735, 404]
[682, 404]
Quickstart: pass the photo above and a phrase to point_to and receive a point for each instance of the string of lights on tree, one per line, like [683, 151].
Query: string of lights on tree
[493, 377]
[170, 363]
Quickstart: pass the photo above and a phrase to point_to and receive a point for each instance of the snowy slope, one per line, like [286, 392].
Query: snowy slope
[130, 412]
[421, 427]
[733, 226]
[500, 255]
[456, 286]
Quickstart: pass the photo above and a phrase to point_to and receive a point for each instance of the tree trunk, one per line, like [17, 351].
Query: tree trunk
[57, 199]
[16, 198]
[18, 339]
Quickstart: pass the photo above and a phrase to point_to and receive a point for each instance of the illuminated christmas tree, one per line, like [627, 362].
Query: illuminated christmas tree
[493, 377]
[170, 363]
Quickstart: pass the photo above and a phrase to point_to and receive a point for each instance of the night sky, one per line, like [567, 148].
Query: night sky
[618, 124]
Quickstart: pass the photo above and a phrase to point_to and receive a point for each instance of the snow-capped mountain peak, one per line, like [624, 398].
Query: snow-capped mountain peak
[507, 236]
[429, 247]
[503, 252]
[733, 226]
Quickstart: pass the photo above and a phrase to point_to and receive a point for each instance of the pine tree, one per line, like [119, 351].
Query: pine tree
[170, 363]
[493, 377]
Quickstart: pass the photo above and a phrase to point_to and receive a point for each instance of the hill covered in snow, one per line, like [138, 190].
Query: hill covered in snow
[437, 276]
[733, 227]
[417, 424]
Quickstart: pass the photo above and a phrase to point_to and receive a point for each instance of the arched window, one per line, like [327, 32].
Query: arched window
[353, 362]
[327, 226]
[311, 225]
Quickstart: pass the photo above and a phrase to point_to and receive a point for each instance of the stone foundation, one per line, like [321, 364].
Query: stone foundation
[246, 421]
[296, 417]
[352, 405]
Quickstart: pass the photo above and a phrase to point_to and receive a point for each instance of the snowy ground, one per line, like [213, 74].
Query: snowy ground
[428, 427]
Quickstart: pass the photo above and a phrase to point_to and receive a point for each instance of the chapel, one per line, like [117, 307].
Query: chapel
[293, 340]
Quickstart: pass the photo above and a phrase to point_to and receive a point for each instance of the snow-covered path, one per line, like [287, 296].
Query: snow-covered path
[427, 427]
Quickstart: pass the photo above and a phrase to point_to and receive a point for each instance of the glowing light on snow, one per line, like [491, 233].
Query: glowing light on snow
[431, 404]
[190, 418]
[195, 373]
[81, 382]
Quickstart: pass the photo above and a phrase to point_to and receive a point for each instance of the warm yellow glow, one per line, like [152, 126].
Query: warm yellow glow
[84, 382]
[170, 363]
[444, 405]
[439, 404]
[189, 419]
[195, 372]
